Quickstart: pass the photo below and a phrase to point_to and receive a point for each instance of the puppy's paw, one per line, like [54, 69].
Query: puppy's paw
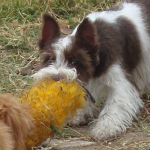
[100, 134]
[105, 129]
[79, 119]
[84, 116]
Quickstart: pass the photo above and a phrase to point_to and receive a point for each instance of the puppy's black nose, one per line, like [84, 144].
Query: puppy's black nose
[56, 77]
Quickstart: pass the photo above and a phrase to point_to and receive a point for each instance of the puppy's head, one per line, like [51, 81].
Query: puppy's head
[67, 57]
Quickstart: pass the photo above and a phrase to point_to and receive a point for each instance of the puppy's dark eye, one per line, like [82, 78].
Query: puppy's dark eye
[74, 63]
[48, 59]
[51, 60]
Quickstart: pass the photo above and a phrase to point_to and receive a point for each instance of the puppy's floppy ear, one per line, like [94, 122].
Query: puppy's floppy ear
[50, 30]
[86, 32]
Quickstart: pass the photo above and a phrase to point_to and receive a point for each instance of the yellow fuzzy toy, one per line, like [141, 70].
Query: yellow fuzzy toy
[51, 103]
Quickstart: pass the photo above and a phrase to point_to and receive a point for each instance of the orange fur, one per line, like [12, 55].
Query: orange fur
[15, 123]
[6, 140]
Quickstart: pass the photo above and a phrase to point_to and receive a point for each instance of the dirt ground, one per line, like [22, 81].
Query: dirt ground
[130, 139]
[133, 139]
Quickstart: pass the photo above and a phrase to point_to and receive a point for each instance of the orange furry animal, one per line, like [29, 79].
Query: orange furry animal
[15, 123]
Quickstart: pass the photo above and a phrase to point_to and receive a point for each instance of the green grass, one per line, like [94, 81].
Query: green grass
[16, 14]
[11, 80]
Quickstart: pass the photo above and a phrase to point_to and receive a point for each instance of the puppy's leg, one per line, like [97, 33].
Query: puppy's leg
[122, 105]
[6, 140]
[83, 116]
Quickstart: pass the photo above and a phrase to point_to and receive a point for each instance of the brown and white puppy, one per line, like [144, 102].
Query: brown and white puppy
[15, 123]
[108, 50]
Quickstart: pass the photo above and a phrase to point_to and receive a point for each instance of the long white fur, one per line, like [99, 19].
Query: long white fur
[123, 101]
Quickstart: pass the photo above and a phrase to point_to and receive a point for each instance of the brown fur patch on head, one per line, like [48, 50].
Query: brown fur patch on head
[79, 58]
[17, 117]
[84, 50]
